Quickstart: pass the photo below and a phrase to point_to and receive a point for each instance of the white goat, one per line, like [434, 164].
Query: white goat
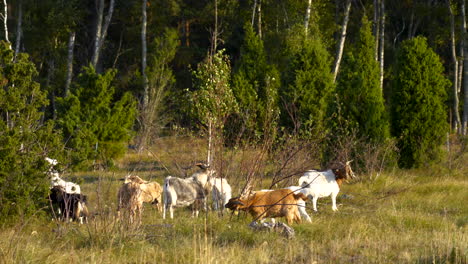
[320, 184]
[55, 180]
[221, 192]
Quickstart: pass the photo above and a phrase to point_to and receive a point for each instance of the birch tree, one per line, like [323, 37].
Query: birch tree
[307, 17]
[19, 30]
[382, 42]
[71, 46]
[456, 116]
[5, 19]
[101, 29]
[340, 48]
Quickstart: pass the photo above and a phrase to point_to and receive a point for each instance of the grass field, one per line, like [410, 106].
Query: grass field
[401, 216]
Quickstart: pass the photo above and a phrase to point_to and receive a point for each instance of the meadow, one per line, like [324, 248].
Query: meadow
[396, 216]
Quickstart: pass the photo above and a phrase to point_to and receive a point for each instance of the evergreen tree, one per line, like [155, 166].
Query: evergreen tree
[418, 110]
[95, 124]
[308, 82]
[359, 95]
[255, 86]
[25, 141]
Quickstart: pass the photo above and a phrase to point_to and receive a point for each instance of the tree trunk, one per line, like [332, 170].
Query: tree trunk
[97, 36]
[143, 54]
[307, 17]
[382, 42]
[456, 115]
[259, 19]
[19, 30]
[253, 12]
[339, 50]
[5, 19]
[461, 56]
[71, 45]
[101, 30]
[376, 27]
[465, 81]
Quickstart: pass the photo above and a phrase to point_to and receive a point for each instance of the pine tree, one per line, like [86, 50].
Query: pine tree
[96, 125]
[418, 95]
[308, 83]
[25, 141]
[358, 90]
[255, 86]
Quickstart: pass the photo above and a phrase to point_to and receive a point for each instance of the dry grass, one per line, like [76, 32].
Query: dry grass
[418, 216]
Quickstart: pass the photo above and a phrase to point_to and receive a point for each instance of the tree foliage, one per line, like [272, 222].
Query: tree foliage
[96, 125]
[359, 95]
[307, 83]
[418, 110]
[24, 139]
[255, 85]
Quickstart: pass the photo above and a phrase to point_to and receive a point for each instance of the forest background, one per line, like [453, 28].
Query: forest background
[299, 83]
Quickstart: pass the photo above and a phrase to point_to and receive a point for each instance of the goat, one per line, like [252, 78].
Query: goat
[275, 203]
[221, 192]
[71, 205]
[301, 205]
[320, 184]
[55, 180]
[134, 192]
[180, 192]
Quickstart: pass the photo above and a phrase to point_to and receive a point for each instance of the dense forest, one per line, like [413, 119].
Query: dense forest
[381, 82]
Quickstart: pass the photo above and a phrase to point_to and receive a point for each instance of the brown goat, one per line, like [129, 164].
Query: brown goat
[276, 203]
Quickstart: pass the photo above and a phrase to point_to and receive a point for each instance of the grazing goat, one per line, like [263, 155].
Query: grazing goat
[221, 192]
[275, 203]
[55, 180]
[320, 184]
[180, 192]
[71, 205]
[134, 192]
[301, 204]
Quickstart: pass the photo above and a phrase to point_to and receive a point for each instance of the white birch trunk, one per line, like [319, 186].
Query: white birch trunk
[19, 29]
[101, 30]
[143, 54]
[376, 27]
[339, 51]
[100, 14]
[71, 45]
[456, 115]
[5, 19]
[465, 81]
[259, 19]
[307, 17]
[461, 56]
[253, 12]
[382, 42]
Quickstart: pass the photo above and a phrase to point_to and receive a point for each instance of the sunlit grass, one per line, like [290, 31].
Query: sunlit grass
[415, 216]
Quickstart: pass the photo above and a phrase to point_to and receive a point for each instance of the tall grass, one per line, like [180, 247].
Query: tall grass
[413, 216]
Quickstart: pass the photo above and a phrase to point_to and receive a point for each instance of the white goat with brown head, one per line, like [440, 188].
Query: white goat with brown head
[326, 183]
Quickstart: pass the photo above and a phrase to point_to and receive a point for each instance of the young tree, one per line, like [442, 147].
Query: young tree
[213, 101]
[159, 77]
[96, 125]
[307, 83]
[255, 86]
[417, 106]
[25, 141]
[358, 89]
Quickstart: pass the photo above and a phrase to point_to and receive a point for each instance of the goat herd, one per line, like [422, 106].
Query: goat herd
[288, 202]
